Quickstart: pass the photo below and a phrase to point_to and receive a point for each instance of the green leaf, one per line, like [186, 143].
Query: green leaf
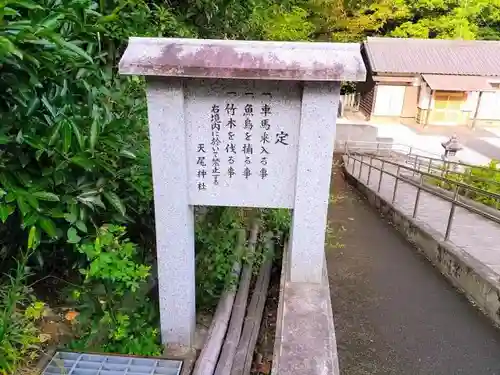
[128, 154]
[56, 213]
[49, 106]
[33, 106]
[83, 162]
[94, 132]
[48, 226]
[70, 217]
[46, 196]
[23, 206]
[10, 197]
[27, 4]
[115, 201]
[7, 46]
[32, 238]
[51, 21]
[77, 133]
[4, 139]
[81, 225]
[73, 236]
[30, 219]
[92, 201]
[66, 137]
[33, 202]
[9, 11]
[5, 211]
[55, 134]
[72, 47]
[20, 137]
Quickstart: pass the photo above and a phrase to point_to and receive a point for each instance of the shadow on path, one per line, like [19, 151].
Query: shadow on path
[394, 313]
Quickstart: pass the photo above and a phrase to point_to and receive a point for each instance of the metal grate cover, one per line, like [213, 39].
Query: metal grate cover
[65, 363]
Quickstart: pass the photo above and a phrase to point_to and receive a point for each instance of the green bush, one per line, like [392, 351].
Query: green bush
[115, 313]
[216, 238]
[74, 148]
[486, 178]
[19, 336]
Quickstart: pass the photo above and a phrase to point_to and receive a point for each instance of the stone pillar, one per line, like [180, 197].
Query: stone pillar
[317, 135]
[173, 213]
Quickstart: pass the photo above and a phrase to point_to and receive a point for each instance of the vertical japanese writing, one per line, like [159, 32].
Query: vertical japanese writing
[265, 140]
[240, 146]
[201, 164]
[247, 145]
[216, 142]
[231, 142]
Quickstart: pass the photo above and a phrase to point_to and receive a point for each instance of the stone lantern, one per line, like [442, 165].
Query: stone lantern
[451, 147]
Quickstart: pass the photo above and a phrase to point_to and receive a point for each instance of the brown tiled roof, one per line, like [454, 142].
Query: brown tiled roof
[458, 82]
[433, 56]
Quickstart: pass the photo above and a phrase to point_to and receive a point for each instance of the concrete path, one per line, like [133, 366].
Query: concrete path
[394, 313]
[474, 234]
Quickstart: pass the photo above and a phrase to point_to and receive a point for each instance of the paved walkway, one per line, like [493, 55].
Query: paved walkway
[480, 145]
[476, 235]
[394, 313]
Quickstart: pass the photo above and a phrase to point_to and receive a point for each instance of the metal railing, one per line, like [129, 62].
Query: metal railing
[457, 186]
[420, 159]
[449, 165]
[458, 170]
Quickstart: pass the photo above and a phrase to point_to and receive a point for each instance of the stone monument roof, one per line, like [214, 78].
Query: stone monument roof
[202, 58]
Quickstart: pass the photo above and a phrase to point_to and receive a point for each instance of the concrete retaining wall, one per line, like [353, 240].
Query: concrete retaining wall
[478, 282]
[354, 132]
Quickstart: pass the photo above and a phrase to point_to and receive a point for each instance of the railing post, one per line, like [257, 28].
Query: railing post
[452, 213]
[443, 170]
[415, 164]
[380, 177]
[395, 185]
[353, 165]
[429, 167]
[417, 198]
[360, 167]
[447, 169]
[369, 171]
[378, 148]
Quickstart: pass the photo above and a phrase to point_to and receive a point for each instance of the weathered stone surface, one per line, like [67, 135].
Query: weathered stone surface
[174, 216]
[300, 61]
[312, 186]
[307, 344]
[305, 334]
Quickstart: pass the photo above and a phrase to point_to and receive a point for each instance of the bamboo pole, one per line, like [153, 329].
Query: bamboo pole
[242, 363]
[238, 314]
[207, 360]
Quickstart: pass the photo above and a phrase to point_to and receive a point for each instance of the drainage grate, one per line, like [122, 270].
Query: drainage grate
[65, 363]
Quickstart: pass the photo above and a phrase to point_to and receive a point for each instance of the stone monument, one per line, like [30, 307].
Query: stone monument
[238, 123]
